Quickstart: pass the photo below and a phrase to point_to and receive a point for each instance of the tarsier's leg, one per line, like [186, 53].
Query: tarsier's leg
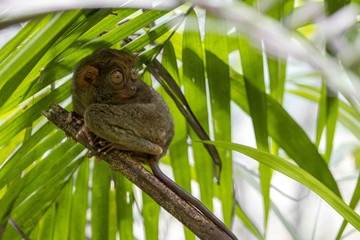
[117, 125]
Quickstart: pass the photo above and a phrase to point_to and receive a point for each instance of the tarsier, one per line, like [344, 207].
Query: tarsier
[126, 114]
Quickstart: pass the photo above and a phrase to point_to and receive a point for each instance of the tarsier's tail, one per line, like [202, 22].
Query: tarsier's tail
[189, 198]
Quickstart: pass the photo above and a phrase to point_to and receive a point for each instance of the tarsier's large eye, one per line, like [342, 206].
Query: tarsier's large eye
[133, 73]
[117, 77]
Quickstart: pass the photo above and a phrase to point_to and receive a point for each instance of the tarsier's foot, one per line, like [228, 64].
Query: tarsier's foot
[102, 147]
[86, 135]
[73, 115]
[105, 146]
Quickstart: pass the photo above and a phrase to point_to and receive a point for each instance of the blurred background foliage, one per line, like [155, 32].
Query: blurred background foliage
[274, 83]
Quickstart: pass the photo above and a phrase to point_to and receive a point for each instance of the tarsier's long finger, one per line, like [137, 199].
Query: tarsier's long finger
[86, 135]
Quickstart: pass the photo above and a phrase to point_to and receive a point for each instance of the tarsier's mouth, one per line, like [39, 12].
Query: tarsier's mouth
[125, 94]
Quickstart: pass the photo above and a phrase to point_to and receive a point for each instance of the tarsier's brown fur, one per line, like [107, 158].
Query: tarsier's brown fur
[120, 108]
[131, 114]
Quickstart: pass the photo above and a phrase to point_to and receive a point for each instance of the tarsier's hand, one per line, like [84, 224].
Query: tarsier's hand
[118, 107]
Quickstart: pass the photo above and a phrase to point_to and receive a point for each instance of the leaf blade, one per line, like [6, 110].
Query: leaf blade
[100, 201]
[299, 175]
[293, 139]
[194, 85]
[217, 68]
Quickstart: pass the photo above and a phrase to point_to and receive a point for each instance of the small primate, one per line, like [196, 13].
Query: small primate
[120, 111]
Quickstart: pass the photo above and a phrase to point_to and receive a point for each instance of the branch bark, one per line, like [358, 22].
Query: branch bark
[134, 171]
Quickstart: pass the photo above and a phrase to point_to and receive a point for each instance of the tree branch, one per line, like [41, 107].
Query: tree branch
[133, 170]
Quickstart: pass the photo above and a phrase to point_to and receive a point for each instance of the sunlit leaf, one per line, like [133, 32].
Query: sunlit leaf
[217, 66]
[195, 92]
[100, 201]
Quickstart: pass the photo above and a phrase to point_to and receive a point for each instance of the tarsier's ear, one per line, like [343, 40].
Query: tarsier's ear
[135, 56]
[136, 60]
[87, 76]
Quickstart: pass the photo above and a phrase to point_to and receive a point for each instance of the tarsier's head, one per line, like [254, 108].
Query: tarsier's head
[107, 75]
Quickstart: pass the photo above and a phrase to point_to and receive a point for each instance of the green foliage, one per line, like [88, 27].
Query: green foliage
[231, 56]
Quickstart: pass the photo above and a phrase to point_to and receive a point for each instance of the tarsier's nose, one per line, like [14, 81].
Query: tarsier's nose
[132, 88]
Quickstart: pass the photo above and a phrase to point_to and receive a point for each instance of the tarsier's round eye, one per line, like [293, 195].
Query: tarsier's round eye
[134, 74]
[117, 77]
